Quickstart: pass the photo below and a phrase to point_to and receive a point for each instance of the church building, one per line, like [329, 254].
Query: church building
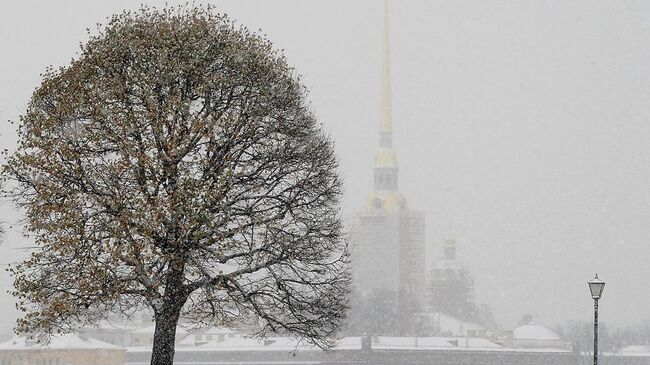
[451, 287]
[389, 238]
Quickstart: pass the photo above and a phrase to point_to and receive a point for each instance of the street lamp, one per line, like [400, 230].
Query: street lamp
[596, 287]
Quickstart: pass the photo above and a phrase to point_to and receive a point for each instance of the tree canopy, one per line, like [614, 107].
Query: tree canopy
[176, 165]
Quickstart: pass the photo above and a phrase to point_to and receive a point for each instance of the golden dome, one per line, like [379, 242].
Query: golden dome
[385, 158]
[385, 202]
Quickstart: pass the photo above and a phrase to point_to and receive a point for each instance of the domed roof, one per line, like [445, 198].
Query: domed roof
[534, 332]
[385, 158]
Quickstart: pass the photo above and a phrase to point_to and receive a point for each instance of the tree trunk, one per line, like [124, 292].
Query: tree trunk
[164, 337]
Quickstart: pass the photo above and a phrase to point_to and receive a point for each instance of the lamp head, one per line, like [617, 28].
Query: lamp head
[596, 287]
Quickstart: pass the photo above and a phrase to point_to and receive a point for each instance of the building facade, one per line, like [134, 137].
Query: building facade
[67, 349]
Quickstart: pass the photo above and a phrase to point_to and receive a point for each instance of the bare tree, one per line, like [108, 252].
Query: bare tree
[175, 165]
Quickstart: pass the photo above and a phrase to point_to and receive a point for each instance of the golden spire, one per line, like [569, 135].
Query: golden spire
[385, 199]
[385, 158]
[386, 122]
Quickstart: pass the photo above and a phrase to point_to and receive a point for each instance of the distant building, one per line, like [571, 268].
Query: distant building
[203, 336]
[130, 334]
[389, 238]
[446, 325]
[451, 287]
[532, 336]
[376, 350]
[635, 351]
[114, 332]
[67, 349]
[144, 336]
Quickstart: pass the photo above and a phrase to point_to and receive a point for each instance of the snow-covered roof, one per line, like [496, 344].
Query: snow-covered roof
[452, 326]
[534, 332]
[349, 343]
[68, 341]
[191, 339]
[108, 325]
[187, 341]
[635, 350]
[152, 328]
[428, 343]
[216, 331]
[244, 342]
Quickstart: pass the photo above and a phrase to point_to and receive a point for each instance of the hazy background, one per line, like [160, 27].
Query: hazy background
[525, 123]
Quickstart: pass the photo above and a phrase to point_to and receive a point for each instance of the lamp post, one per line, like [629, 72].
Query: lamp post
[596, 287]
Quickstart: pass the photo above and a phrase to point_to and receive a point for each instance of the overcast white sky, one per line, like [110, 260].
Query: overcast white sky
[524, 122]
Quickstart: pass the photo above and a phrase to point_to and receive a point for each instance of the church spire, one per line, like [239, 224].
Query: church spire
[385, 160]
[385, 197]
[386, 126]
